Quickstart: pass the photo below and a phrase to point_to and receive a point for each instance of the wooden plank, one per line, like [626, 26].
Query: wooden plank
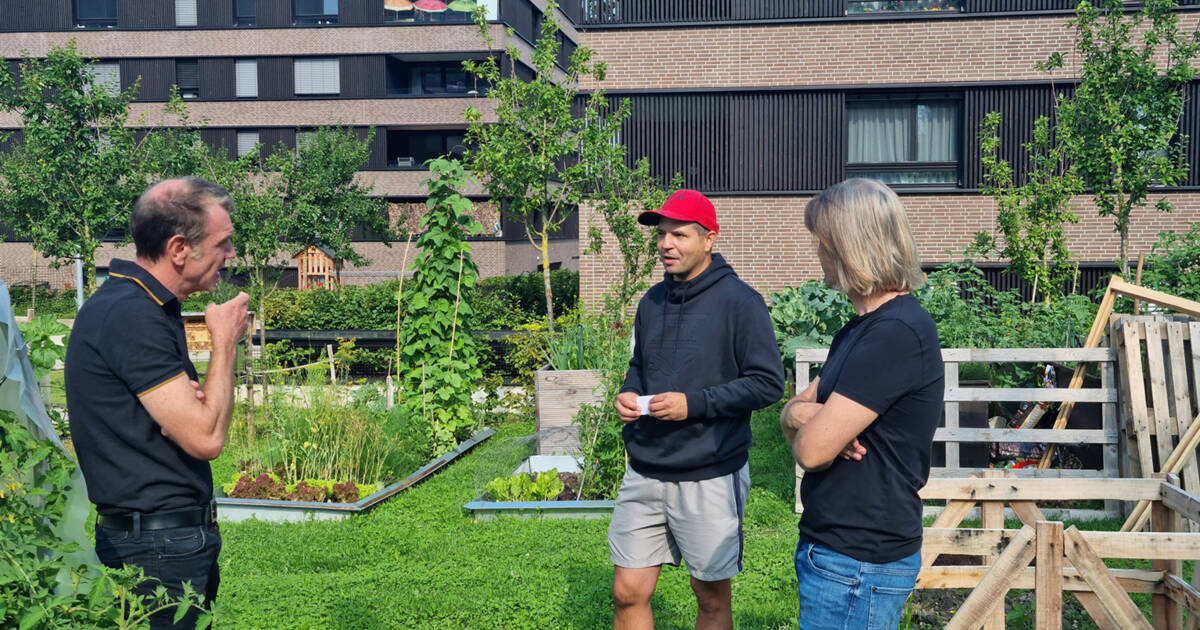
[1133, 545]
[1048, 575]
[1093, 341]
[1027, 511]
[1183, 502]
[1184, 452]
[1182, 592]
[1030, 394]
[950, 417]
[1132, 366]
[1194, 330]
[1061, 474]
[1108, 421]
[1116, 338]
[1166, 300]
[1028, 355]
[1091, 603]
[1131, 580]
[1036, 436]
[1041, 489]
[1166, 612]
[951, 516]
[999, 579]
[803, 373]
[992, 517]
[1158, 392]
[1114, 598]
[1181, 410]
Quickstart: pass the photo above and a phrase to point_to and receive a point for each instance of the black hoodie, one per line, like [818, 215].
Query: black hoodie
[711, 339]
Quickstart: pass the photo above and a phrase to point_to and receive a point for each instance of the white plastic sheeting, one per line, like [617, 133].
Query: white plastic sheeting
[19, 393]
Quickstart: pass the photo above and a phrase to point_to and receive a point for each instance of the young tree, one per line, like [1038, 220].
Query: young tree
[71, 178]
[1032, 217]
[530, 155]
[1120, 128]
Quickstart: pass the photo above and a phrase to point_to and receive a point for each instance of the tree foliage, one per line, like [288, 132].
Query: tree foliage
[438, 353]
[1120, 128]
[534, 155]
[1032, 216]
[72, 176]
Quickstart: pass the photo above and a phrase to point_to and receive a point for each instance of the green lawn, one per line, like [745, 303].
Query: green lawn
[419, 561]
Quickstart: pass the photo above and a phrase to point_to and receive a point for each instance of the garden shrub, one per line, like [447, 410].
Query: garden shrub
[543, 486]
[1173, 265]
[56, 302]
[807, 316]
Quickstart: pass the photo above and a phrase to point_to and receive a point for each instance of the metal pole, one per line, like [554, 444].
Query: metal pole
[78, 282]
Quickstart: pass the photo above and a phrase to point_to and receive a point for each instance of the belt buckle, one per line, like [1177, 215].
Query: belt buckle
[212, 511]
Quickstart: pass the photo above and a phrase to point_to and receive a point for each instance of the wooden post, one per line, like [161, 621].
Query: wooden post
[1137, 279]
[993, 518]
[989, 594]
[952, 417]
[1048, 575]
[1166, 612]
[332, 368]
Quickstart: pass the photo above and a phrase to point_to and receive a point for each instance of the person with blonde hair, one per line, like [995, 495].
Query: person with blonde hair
[863, 429]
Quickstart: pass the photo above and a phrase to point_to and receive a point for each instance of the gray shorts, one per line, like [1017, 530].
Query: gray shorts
[660, 522]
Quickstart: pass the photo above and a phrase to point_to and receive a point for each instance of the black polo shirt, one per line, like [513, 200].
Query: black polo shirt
[127, 340]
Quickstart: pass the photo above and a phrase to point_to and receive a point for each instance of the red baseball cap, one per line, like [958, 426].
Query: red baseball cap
[684, 205]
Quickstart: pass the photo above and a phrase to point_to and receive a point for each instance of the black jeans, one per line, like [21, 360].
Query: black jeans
[174, 556]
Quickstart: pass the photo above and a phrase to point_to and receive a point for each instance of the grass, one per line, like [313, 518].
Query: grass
[419, 561]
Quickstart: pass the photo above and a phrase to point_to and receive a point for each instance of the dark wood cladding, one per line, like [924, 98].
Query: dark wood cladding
[276, 78]
[741, 141]
[1191, 128]
[522, 17]
[359, 12]
[652, 11]
[35, 15]
[1000, 6]
[377, 159]
[143, 14]
[216, 78]
[214, 13]
[273, 13]
[153, 76]
[363, 76]
[273, 137]
[1019, 108]
[222, 139]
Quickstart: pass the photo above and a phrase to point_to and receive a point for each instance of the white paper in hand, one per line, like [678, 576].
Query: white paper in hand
[644, 404]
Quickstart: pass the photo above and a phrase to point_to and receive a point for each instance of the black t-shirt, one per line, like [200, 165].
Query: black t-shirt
[127, 340]
[889, 361]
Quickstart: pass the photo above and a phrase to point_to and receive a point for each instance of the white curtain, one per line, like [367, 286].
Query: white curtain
[185, 12]
[879, 132]
[246, 78]
[937, 132]
[317, 76]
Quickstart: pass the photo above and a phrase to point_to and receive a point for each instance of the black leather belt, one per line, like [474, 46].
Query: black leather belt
[160, 520]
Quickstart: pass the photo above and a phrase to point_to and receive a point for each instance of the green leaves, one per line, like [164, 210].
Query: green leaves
[39, 335]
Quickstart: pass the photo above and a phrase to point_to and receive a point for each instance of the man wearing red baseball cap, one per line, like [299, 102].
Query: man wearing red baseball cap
[704, 358]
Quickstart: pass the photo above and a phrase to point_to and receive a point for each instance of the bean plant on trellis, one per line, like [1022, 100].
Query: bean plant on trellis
[436, 346]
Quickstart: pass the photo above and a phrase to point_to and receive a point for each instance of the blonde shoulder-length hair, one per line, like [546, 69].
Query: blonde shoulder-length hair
[863, 231]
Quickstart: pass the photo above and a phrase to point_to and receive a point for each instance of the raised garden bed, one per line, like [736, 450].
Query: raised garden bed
[231, 510]
[482, 509]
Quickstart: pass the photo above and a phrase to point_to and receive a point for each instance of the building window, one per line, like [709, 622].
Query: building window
[411, 149]
[95, 13]
[416, 78]
[454, 11]
[304, 139]
[107, 76]
[185, 13]
[243, 13]
[905, 141]
[315, 11]
[187, 77]
[317, 76]
[246, 78]
[854, 7]
[247, 142]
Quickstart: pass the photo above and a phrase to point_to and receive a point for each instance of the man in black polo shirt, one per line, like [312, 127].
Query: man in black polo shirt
[144, 429]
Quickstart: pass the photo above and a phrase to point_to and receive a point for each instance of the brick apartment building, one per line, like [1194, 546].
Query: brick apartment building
[266, 71]
[759, 104]
[762, 104]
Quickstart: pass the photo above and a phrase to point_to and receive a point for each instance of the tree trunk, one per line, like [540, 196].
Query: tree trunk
[545, 234]
[1124, 232]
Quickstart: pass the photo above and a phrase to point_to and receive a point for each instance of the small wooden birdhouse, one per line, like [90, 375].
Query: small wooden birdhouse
[317, 268]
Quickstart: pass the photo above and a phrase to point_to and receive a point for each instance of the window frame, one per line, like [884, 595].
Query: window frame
[102, 22]
[912, 165]
[240, 19]
[314, 19]
[238, 91]
[192, 90]
[238, 135]
[337, 79]
[194, 14]
[850, 4]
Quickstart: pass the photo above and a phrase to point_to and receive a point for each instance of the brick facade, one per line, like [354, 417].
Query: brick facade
[764, 239]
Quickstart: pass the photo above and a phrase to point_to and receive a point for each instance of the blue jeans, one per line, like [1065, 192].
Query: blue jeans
[174, 556]
[838, 592]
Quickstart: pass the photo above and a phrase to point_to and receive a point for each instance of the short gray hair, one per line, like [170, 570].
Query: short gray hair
[170, 207]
